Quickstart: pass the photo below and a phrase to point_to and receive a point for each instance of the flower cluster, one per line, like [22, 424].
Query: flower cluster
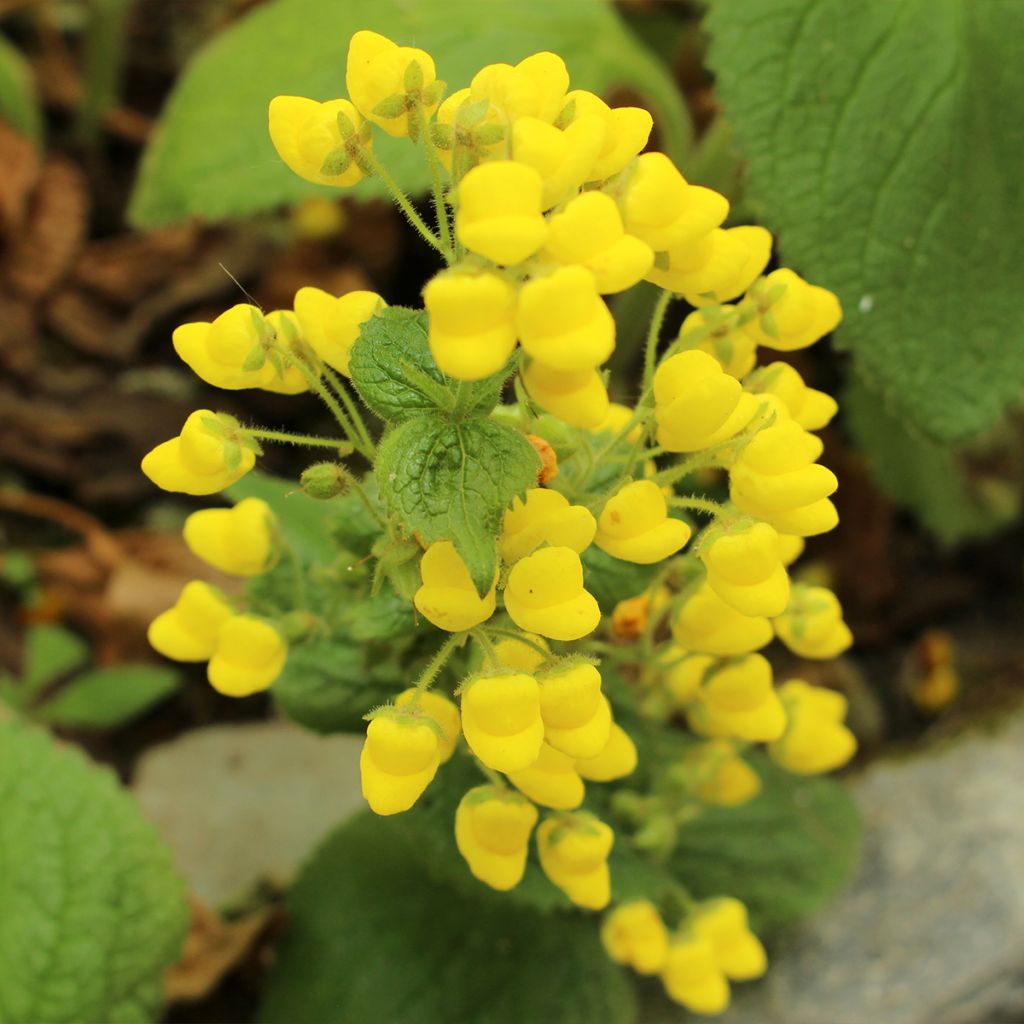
[545, 201]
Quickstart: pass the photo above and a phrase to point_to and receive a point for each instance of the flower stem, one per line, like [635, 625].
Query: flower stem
[654, 336]
[350, 405]
[300, 439]
[402, 200]
[440, 206]
[438, 662]
[705, 505]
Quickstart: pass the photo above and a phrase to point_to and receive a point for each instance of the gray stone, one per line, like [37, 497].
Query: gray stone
[932, 930]
[247, 802]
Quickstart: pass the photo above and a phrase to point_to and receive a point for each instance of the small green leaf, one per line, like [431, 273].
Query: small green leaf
[19, 101]
[784, 854]
[93, 913]
[396, 376]
[106, 698]
[453, 481]
[304, 520]
[413, 76]
[375, 938]
[50, 652]
[336, 162]
[326, 687]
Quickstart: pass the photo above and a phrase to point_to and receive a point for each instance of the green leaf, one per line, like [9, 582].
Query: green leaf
[350, 522]
[453, 481]
[383, 616]
[931, 480]
[19, 102]
[93, 913]
[612, 580]
[109, 697]
[396, 376]
[304, 520]
[326, 687]
[885, 149]
[784, 854]
[50, 652]
[372, 938]
[211, 154]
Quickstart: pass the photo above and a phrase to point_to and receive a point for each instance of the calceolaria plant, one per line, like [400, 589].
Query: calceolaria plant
[568, 594]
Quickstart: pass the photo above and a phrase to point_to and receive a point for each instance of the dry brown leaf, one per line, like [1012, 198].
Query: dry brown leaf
[20, 160]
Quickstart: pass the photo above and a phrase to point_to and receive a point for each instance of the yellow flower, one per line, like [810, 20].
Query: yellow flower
[577, 716]
[499, 212]
[815, 740]
[716, 267]
[745, 570]
[331, 324]
[777, 479]
[552, 780]
[790, 548]
[289, 380]
[188, 631]
[692, 976]
[535, 87]
[545, 595]
[311, 139]
[217, 352]
[546, 517]
[719, 776]
[501, 720]
[664, 209]
[240, 540]
[523, 657]
[616, 761]
[390, 84]
[472, 323]
[792, 314]
[615, 420]
[634, 934]
[589, 232]
[738, 701]
[492, 832]
[626, 131]
[249, 656]
[635, 525]
[723, 923]
[734, 349]
[578, 397]
[200, 460]
[448, 597]
[574, 851]
[469, 138]
[562, 157]
[398, 761]
[697, 404]
[441, 711]
[707, 625]
[683, 673]
[810, 408]
[562, 321]
[812, 626]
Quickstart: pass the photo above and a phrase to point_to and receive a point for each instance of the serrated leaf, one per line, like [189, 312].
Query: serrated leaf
[19, 101]
[211, 154]
[326, 687]
[109, 697]
[453, 481]
[50, 652]
[395, 374]
[304, 520]
[909, 209]
[373, 939]
[784, 854]
[92, 911]
[931, 480]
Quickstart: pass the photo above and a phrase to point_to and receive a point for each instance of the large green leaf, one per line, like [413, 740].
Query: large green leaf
[885, 148]
[19, 103]
[91, 913]
[930, 479]
[211, 154]
[785, 853]
[108, 697]
[453, 481]
[372, 938]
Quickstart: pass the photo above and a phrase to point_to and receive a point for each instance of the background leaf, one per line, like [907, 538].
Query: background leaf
[19, 103]
[91, 912]
[212, 156]
[784, 854]
[453, 481]
[108, 697]
[50, 652]
[885, 147]
[372, 938]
